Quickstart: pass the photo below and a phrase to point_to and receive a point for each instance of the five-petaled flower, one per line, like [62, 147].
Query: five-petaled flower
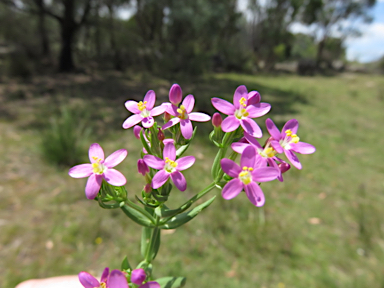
[116, 279]
[169, 167]
[143, 111]
[183, 114]
[288, 141]
[100, 169]
[245, 177]
[245, 106]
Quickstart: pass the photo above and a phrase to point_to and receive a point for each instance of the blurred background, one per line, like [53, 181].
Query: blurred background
[68, 66]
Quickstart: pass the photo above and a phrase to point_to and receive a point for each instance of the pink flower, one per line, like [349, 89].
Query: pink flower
[138, 276]
[288, 141]
[100, 169]
[169, 167]
[114, 280]
[245, 177]
[217, 120]
[142, 167]
[245, 106]
[183, 114]
[143, 111]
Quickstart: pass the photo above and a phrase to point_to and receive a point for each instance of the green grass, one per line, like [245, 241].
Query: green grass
[49, 228]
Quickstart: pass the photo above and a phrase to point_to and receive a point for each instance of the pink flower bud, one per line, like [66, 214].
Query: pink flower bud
[216, 120]
[142, 167]
[160, 135]
[175, 94]
[136, 131]
[138, 276]
[167, 117]
[148, 188]
[284, 167]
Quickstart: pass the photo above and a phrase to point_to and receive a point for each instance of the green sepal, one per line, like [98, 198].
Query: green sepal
[183, 218]
[146, 266]
[125, 264]
[211, 135]
[226, 177]
[171, 282]
[149, 205]
[160, 198]
[220, 185]
[184, 148]
[138, 214]
[144, 142]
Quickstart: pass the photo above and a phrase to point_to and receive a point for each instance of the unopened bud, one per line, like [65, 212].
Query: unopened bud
[284, 167]
[138, 276]
[175, 94]
[216, 120]
[136, 131]
[148, 188]
[160, 135]
[142, 167]
[167, 117]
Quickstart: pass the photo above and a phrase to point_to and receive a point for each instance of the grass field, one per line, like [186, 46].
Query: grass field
[322, 227]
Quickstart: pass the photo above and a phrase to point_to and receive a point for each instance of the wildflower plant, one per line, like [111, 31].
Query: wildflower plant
[164, 157]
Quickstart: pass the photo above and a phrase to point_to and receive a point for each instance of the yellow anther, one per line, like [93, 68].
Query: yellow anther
[179, 111]
[295, 138]
[242, 101]
[94, 158]
[141, 106]
[170, 162]
[182, 107]
[288, 132]
[103, 285]
[245, 168]
[244, 112]
[250, 169]
[244, 173]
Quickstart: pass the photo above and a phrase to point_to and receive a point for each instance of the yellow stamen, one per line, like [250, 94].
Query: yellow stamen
[141, 106]
[170, 162]
[103, 285]
[242, 101]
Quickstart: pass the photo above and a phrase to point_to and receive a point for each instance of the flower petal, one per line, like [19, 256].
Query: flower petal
[272, 129]
[292, 125]
[169, 151]
[138, 276]
[276, 145]
[255, 194]
[265, 174]
[253, 98]
[248, 157]
[132, 121]
[171, 109]
[232, 189]
[293, 159]
[93, 186]
[148, 122]
[185, 162]
[95, 150]
[81, 171]
[159, 179]
[258, 110]
[179, 180]
[117, 280]
[302, 148]
[115, 158]
[189, 103]
[104, 276]
[252, 140]
[240, 92]
[158, 110]
[114, 177]
[186, 128]
[154, 162]
[251, 127]
[239, 147]
[229, 124]
[150, 97]
[87, 280]
[171, 123]
[132, 107]
[151, 284]
[230, 167]
[223, 106]
[136, 131]
[175, 94]
[199, 117]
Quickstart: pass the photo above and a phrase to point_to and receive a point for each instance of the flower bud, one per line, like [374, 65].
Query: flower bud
[138, 276]
[284, 167]
[160, 135]
[136, 131]
[167, 117]
[216, 120]
[142, 167]
[148, 188]
[175, 94]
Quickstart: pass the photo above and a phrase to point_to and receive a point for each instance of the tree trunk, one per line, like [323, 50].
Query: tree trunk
[115, 50]
[66, 57]
[45, 49]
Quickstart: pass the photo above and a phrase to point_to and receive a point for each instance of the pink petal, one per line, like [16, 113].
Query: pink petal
[171, 109]
[115, 158]
[223, 106]
[169, 151]
[151, 284]
[276, 145]
[240, 92]
[150, 97]
[199, 117]
[258, 110]
[293, 159]
[132, 121]
[175, 94]
[185, 162]
[251, 127]
[95, 150]
[186, 128]
[114, 177]
[93, 186]
[117, 280]
[81, 171]
[158, 110]
[239, 147]
[104, 276]
[265, 174]
[171, 123]
[138, 276]
[148, 122]
[253, 98]
[229, 124]
[232, 189]
[255, 194]
[292, 125]
[272, 129]
[252, 140]
[302, 148]
[87, 280]
[248, 157]
[189, 103]
[159, 179]
[132, 107]
[136, 131]
[154, 162]
[179, 180]
[230, 167]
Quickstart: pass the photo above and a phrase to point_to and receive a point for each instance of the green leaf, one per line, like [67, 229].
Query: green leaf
[144, 142]
[145, 238]
[171, 282]
[125, 264]
[138, 214]
[183, 218]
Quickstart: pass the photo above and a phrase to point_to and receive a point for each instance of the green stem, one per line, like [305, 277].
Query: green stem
[149, 256]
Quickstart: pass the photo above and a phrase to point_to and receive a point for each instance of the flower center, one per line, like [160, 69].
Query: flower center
[288, 139]
[98, 166]
[246, 176]
[102, 285]
[241, 113]
[142, 106]
[182, 112]
[268, 152]
[170, 165]
[243, 101]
